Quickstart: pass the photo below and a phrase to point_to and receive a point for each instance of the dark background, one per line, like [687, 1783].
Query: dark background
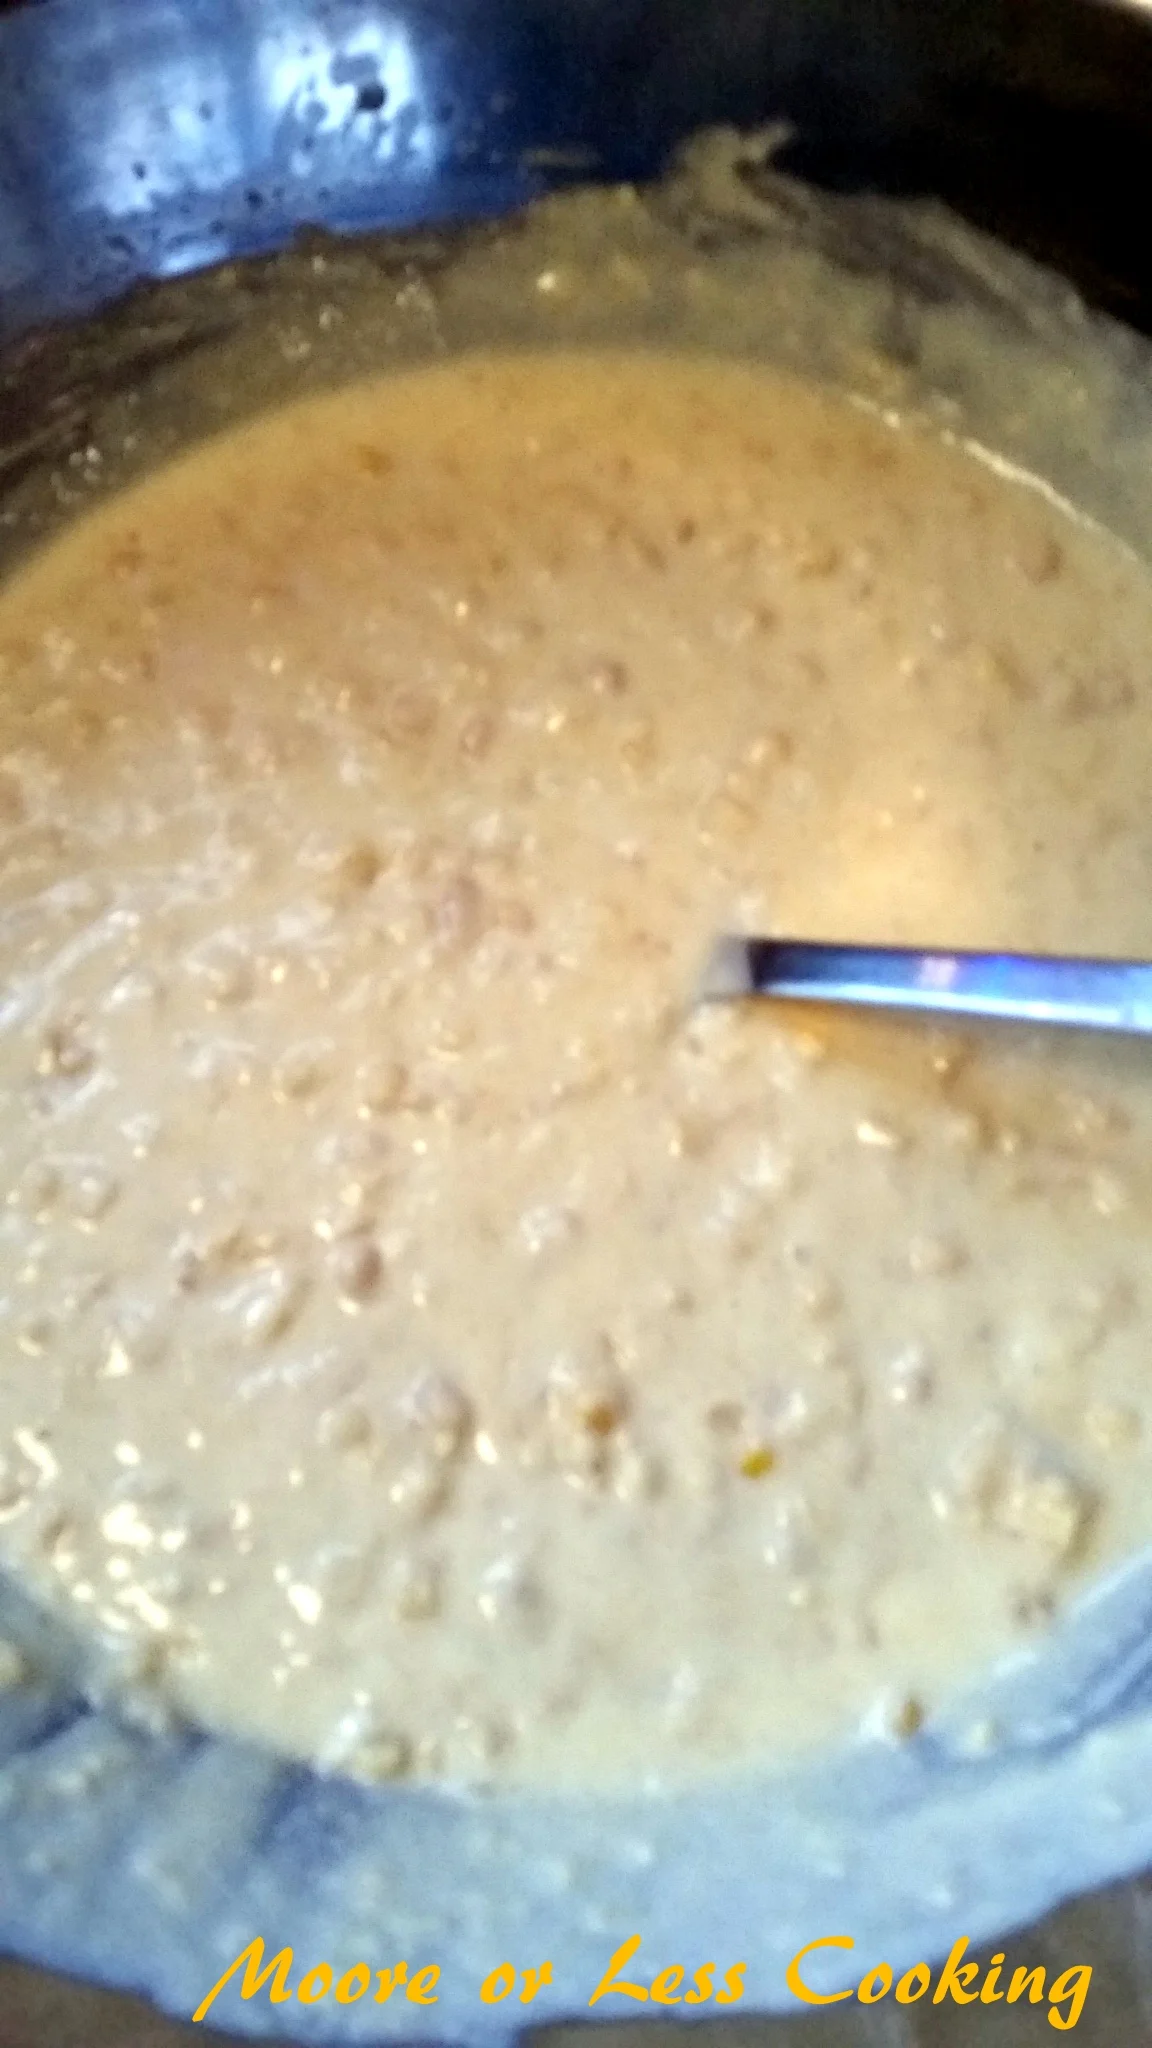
[1032, 117]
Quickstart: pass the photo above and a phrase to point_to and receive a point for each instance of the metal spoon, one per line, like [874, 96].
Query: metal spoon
[1098, 995]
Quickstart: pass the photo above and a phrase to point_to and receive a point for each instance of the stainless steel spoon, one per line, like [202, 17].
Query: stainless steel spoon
[1032, 988]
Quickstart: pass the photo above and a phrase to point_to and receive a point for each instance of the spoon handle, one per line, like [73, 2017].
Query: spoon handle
[1033, 988]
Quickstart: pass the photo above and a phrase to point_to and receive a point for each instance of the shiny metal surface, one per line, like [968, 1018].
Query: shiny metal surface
[1095, 995]
[142, 138]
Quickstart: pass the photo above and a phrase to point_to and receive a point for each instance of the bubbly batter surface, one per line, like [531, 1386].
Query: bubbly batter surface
[426, 1341]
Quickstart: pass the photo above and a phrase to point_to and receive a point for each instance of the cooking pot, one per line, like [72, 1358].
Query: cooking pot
[143, 141]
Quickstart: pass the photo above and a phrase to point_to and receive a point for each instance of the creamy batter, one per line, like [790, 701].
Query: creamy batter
[428, 1342]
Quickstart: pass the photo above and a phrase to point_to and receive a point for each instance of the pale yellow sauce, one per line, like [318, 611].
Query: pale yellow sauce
[429, 1343]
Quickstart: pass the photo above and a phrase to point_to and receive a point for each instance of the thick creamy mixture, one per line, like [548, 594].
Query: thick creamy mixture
[427, 1341]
